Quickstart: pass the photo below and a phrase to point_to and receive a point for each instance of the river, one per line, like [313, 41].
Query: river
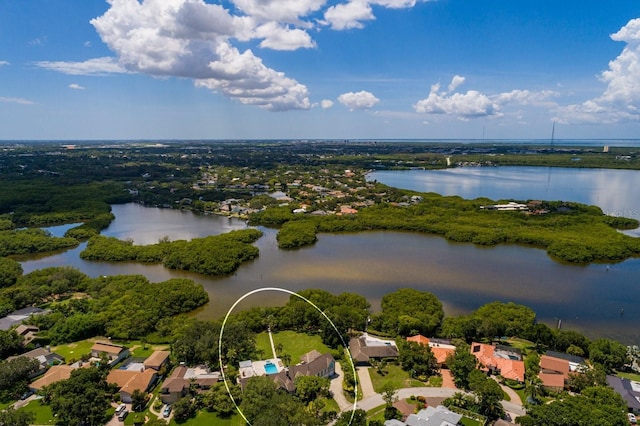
[463, 276]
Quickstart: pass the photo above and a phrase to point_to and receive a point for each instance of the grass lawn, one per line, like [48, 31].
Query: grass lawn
[524, 345]
[331, 405]
[631, 376]
[205, 418]
[43, 413]
[74, 350]
[466, 421]
[376, 413]
[294, 344]
[396, 376]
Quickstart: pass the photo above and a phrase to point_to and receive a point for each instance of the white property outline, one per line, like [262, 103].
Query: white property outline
[293, 293]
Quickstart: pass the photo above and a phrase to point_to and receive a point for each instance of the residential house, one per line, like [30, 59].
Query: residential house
[177, 384]
[27, 332]
[628, 390]
[430, 416]
[44, 356]
[314, 364]
[115, 353]
[131, 380]
[503, 360]
[16, 317]
[366, 348]
[311, 364]
[157, 360]
[554, 373]
[440, 348]
[52, 375]
[555, 368]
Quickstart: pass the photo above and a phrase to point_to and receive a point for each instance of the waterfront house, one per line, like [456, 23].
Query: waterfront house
[502, 360]
[311, 364]
[366, 348]
[440, 348]
[628, 390]
[555, 368]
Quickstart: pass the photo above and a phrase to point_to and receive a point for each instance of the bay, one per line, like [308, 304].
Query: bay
[586, 298]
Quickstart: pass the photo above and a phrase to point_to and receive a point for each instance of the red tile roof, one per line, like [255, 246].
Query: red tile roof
[509, 368]
[440, 353]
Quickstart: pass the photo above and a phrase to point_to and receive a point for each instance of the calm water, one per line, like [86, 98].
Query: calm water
[587, 298]
[615, 191]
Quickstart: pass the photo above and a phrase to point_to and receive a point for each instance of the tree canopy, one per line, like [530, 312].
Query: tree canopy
[408, 311]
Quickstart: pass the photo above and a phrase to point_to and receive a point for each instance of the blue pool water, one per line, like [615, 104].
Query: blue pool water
[270, 368]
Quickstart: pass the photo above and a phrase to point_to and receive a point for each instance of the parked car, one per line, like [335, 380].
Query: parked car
[632, 418]
[166, 411]
[26, 395]
[120, 409]
[123, 415]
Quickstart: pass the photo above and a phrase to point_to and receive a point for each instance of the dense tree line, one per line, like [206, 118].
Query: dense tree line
[15, 376]
[10, 271]
[119, 306]
[31, 240]
[408, 311]
[594, 406]
[83, 399]
[571, 232]
[213, 255]
[347, 311]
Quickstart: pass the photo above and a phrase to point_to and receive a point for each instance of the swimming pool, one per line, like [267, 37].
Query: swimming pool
[270, 368]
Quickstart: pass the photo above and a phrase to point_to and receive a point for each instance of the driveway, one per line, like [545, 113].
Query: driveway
[336, 389]
[365, 382]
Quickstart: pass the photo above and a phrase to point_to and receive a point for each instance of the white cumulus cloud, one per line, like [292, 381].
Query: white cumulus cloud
[468, 105]
[456, 81]
[197, 39]
[620, 101]
[474, 104]
[358, 100]
[280, 37]
[96, 66]
[326, 103]
[192, 39]
[75, 86]
[349, 15]
[3, 63]
[286, 11]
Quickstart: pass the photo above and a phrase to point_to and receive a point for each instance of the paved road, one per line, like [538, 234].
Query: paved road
[376, 400]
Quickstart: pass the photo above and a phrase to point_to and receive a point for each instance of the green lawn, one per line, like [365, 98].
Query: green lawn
[524, 345]
[294, 344]
[394, 375]
[74, 350]
[43, 413]
[631, 376]
[466, 421]
[205, 418]
[376, 413]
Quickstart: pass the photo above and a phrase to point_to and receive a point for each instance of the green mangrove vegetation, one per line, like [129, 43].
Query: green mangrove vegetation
[570, 232]
[213, 255]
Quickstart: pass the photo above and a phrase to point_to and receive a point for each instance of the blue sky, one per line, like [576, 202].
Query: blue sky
[307, 69]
